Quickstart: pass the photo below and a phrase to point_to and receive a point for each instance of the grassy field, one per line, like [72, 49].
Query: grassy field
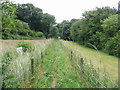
[54, 67]
[106, 63]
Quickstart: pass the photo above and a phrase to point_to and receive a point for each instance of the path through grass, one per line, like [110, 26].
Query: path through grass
[56, 70]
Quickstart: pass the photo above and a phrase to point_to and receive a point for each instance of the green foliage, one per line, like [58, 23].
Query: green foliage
[35, 18]
[7, 57]
[47, 21]
[75, 30]
[53, 32]
[13, 28]
[98, 27]
[39, 34]
[30, 14]
[111, 46]
[111, 32]
[27, 46]
[110, 26]
[64, 29]
[8, 17]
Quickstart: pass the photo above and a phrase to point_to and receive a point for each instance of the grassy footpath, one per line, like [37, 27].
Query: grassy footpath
[56, 70]
[106, 63]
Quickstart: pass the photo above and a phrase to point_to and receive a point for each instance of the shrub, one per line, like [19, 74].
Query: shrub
[27, 45]
[7, 57]
[39, 34]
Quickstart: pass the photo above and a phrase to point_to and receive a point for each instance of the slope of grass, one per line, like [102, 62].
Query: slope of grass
[106, 63]
[56, 70]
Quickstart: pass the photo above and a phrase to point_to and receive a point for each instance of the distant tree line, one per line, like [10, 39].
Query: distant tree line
[98, 28]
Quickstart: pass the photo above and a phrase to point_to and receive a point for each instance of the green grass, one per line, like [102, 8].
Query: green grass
[106, 63]
[56, 69]
[17, 68]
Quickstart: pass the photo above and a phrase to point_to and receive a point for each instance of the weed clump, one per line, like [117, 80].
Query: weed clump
[9, 56]
[27, 46]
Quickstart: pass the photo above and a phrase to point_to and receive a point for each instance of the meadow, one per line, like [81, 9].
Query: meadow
[56, 64]
[102, 61]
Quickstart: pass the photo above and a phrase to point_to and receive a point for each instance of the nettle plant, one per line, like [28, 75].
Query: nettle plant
[26, 45]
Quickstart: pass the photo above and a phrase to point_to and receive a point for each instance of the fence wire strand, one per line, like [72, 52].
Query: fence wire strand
[90, 69]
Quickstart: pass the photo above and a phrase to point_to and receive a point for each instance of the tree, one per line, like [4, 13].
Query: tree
[64, 28]
[98, 27]
[110, 26]
[111, 31]
[30, 14]
[53, 32]
[47, 21]
[13, 28]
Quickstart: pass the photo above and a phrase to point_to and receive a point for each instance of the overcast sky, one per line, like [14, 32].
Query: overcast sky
[69, 9]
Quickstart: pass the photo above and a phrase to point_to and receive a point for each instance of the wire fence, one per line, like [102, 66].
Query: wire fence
[90, 75]
[18, 72]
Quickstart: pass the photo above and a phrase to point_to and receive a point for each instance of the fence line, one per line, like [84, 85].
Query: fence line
[21, 69]
[102, 81]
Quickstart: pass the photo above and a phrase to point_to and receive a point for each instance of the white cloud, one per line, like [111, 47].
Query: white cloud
[68, 9]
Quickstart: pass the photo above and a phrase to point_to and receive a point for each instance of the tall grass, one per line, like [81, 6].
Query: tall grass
[55, 64]
[103, 62]
[17, 68]
[91, 76]
[56, 70]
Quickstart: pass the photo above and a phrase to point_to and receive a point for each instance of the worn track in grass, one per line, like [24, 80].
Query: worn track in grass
[56, 69]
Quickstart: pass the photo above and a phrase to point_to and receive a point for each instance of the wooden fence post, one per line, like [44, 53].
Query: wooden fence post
[71, 55]
[81, 65]
[41, 55]
[32, 65]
